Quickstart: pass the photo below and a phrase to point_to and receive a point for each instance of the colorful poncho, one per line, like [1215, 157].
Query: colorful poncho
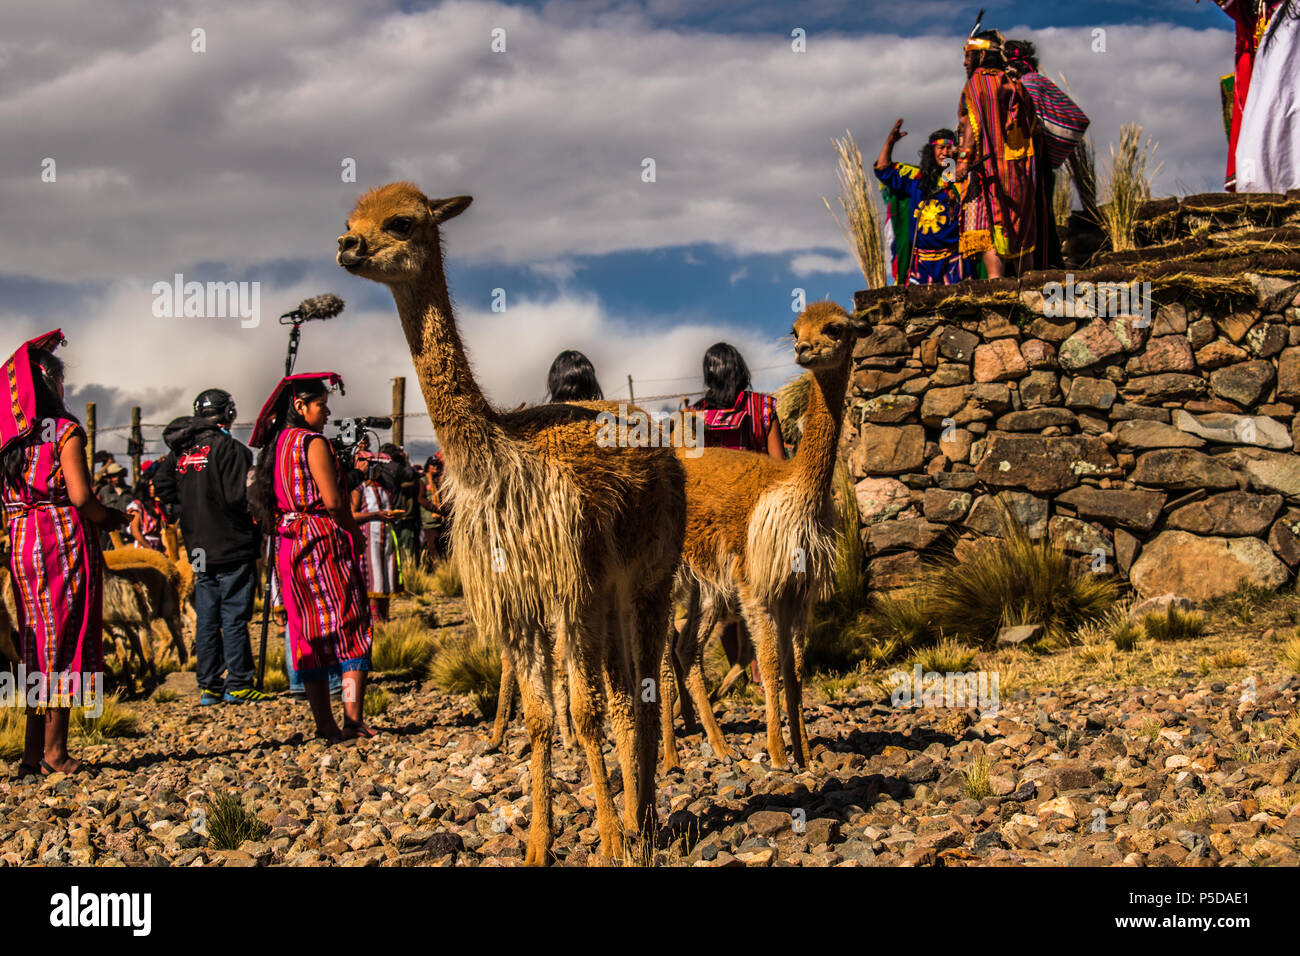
[996, 125]
[1063, 123]
[926, 254]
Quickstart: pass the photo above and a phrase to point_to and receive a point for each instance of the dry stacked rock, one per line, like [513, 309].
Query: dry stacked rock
[1162, 449]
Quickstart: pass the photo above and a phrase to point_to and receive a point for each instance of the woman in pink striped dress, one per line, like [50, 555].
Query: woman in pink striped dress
[298, 490]
[54, 521]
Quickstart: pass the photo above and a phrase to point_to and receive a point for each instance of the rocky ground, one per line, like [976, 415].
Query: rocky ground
[1184, 772]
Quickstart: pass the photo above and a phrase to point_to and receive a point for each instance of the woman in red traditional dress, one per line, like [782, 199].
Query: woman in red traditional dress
[298, 489]
[55, 565]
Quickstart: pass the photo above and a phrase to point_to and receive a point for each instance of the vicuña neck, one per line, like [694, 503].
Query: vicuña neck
[815, 459]
[465, 423]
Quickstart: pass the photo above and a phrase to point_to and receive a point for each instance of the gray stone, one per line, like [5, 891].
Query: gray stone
[1202, 568]
[1288, 375]
[1036, 419]
[1268, 470]
[1078, 537]
[1142, 435]
[883, 340]
[945, 506]
[888, 450]
[1020, 634]
[1231, 513]
[1043, 464]
[1030, 511]
[1200, 333]
[1245, 383]
[887, 408]
[1091, 393]
[880, 498]
[1088, 346]
[1160, 605]
[1124, 412]
[1166, 387]
[1131, 508]
[915, 534]
[1284, 538]
[1039, 388]
[950, 373]
[1273, 293]
[957, 344]
[1228, 429]
[1182, 468]
[1267, 339]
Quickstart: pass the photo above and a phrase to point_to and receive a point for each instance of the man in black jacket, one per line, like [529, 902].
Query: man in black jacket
[206, 473]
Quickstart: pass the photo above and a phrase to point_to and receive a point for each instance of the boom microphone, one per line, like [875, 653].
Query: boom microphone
[317, 307]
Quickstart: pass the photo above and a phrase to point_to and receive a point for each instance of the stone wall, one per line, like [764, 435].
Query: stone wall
[1162, 450]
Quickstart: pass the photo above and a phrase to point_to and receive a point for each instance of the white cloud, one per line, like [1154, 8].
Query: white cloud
[810, 263]
[167, 157]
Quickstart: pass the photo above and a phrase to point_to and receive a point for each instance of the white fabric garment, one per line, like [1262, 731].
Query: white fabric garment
[1268, 146]
[379, 558]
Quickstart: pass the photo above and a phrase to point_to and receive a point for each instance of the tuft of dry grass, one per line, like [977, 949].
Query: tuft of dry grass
[1289, 655]
[862, 214]
[377, 702]
[945, 657]
[229, 824]
[1127, 186]
[115, 721]
[977, 779]
[401, 646]
[446, 579]
[1173, 625]
[1011, 579]
[417, 580]
[469, 664]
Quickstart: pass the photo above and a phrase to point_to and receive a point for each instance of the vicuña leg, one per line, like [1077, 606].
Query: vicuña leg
[505, 701]
[586, 702]
[653, 620]
[791, 677]
[692, 652]
[762, 629]
[621, 683]
[534, 693]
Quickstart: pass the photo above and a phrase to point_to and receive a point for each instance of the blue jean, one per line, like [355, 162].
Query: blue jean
[295, 684]
[223, 605]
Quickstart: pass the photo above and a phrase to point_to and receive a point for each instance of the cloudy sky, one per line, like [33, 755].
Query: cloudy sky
[136, 148]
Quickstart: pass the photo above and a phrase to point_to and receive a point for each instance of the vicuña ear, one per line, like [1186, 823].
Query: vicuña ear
[444, 209]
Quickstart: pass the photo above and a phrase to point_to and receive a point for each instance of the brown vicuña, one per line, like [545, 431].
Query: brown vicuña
[551, 529]
[760, 538]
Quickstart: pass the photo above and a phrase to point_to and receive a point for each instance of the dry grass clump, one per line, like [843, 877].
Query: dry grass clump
[115, 721]
[377, 702]
[978, 785]
[446, 579]
[469, 664]
[229, 824]
[1290, 654]
[1173, 625]
[946, 657]
[401, 646]
[417, 580]
[1128, 186]
[1008, 580]
[862, 216]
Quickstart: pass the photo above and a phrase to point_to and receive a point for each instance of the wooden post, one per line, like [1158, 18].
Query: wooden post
[90, 437]
[137, 445]
[631, 396]
[399, 410]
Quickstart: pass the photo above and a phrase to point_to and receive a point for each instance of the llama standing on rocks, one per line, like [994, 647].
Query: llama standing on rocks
[760, 538]
[552, 529]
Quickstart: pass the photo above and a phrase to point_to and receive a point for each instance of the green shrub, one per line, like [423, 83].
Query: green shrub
[229, 824]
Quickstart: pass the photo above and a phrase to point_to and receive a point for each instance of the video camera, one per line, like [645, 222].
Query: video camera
[354, 431]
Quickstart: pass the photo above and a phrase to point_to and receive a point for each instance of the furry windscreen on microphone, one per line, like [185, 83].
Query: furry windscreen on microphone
[320, 307]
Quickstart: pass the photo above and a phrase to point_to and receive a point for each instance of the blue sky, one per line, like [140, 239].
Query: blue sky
[224, 165]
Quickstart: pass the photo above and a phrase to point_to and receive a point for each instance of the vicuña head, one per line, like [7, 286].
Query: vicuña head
[822, 336]
[392, 231]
